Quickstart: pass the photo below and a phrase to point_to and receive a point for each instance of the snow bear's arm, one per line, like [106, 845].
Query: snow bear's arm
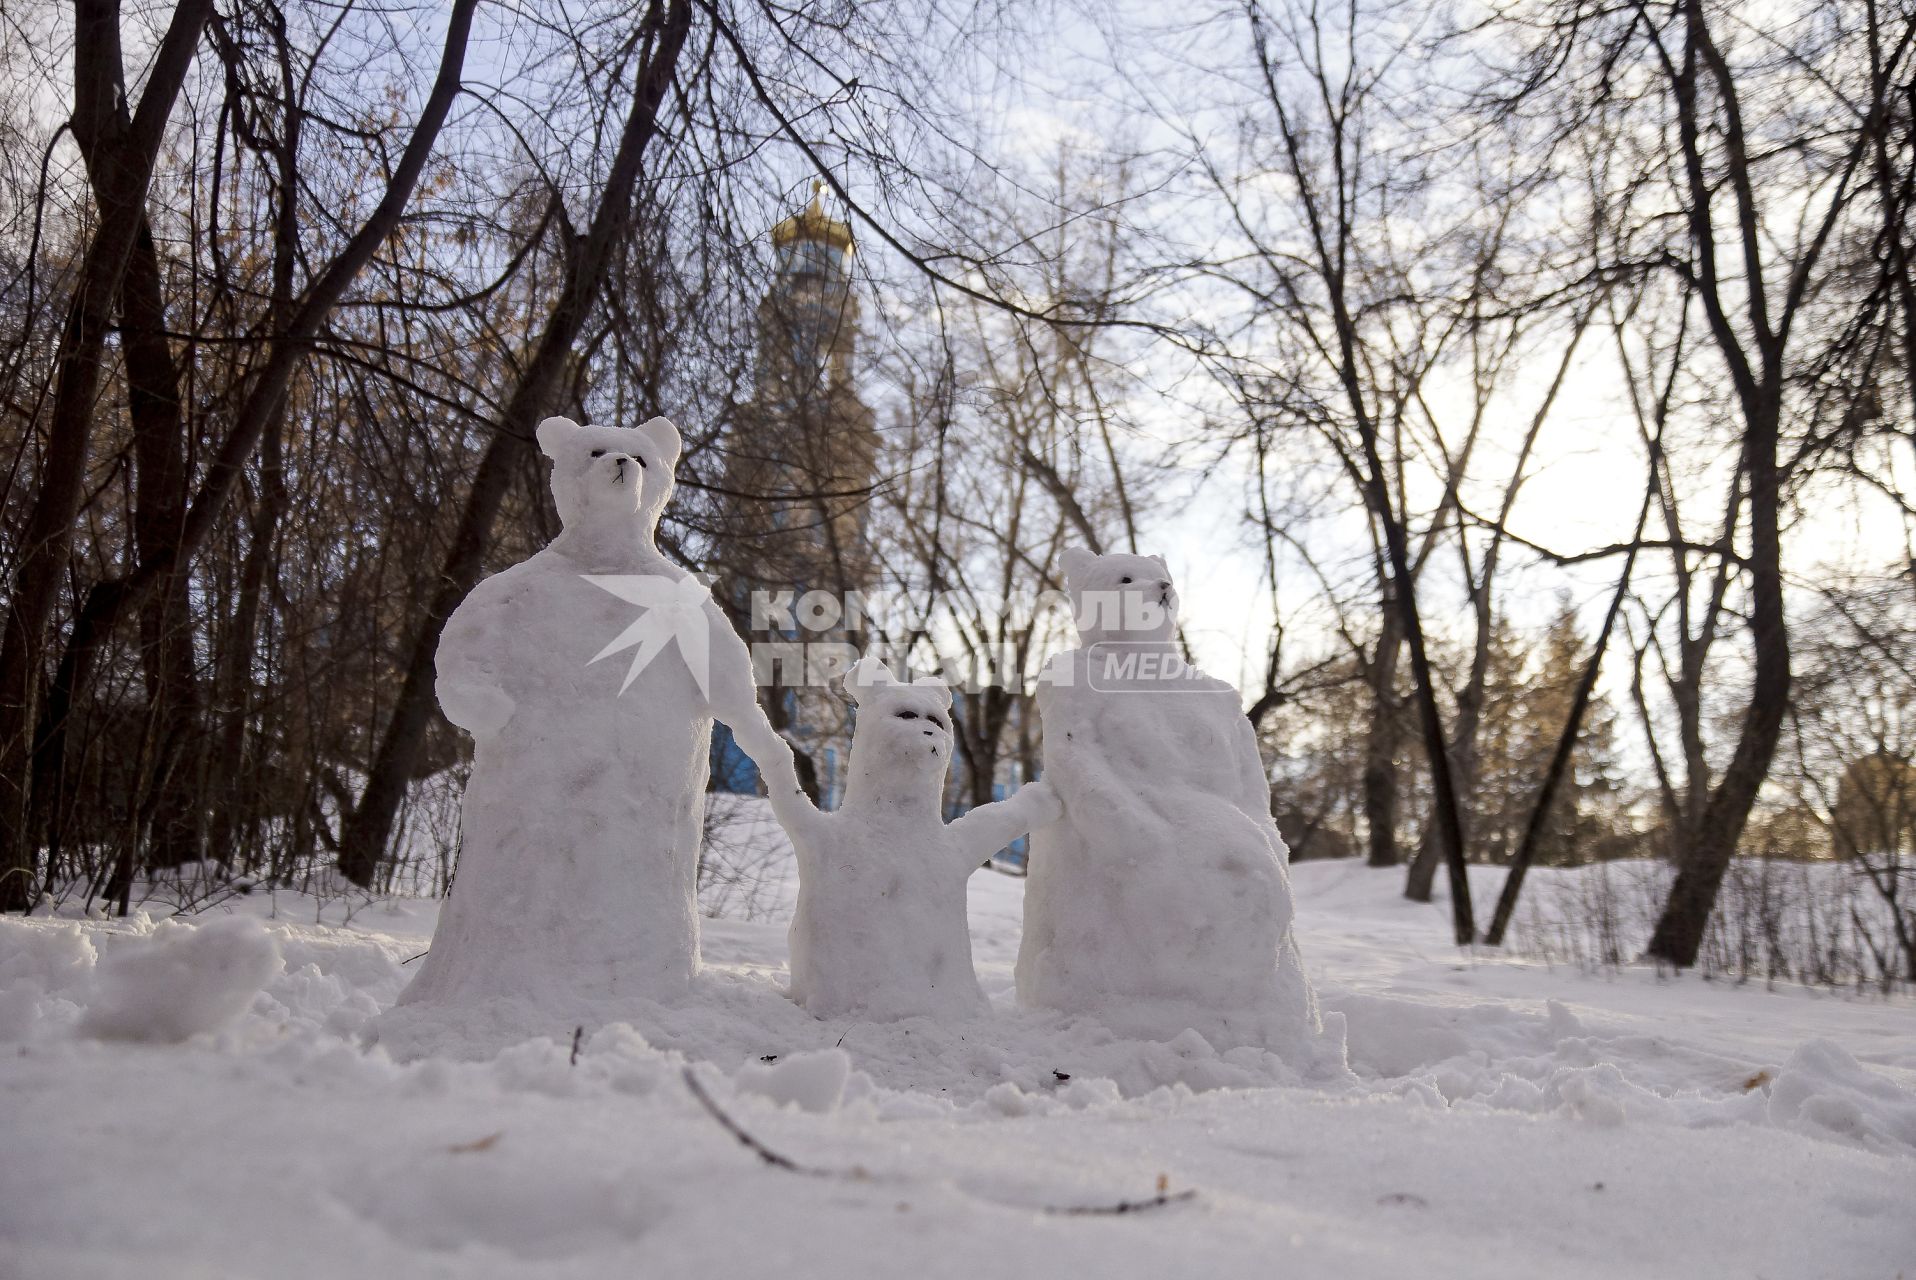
[734, 693]
[473, 658]
[990, 827]
[790, 805]
[734, 700]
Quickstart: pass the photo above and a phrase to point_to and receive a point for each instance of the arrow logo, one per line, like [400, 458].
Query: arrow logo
[674, 610]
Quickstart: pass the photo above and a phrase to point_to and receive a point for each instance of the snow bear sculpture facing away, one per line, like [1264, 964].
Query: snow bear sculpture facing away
[1162, 899]
[881, 931]
[581, 823]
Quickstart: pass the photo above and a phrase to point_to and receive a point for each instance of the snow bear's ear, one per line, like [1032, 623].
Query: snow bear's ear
[866, 675]
[1074, 561]
[934, 684]
[663, 436]
[553, 434]
[1162, 565]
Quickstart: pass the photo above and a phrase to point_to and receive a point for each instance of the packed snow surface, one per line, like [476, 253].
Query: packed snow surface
[1499, 1118]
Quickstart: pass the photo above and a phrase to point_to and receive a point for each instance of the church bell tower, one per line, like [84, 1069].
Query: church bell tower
[800, 468]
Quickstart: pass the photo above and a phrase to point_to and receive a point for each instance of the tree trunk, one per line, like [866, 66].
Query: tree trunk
[231, 824]
[165, 830]
[1421, 878]
[119, 151]
[1380, 748]
[160, 492]
[1449, 820]
[1759, 386]
[269, 508]
[1679, 932]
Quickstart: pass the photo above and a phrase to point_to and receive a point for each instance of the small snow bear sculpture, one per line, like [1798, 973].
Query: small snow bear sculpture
[582, 817]
[1162, 899]
[881, 931]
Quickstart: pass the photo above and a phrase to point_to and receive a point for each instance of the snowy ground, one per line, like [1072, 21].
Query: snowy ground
[1500, 1119]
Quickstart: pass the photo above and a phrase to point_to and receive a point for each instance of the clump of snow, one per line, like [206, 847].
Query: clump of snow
[1823, 1088]
[182, 980]
[580, 827]
[879, 931]
[40, 975]
[810, 1081]
[1161, 901]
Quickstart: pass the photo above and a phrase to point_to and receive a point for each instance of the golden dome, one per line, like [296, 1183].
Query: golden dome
[813, 224]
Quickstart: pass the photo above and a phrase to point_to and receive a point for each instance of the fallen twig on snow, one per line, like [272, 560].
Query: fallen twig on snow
[1157, 1201]
[857, 1173]
[477, 1144]
[752, 1144]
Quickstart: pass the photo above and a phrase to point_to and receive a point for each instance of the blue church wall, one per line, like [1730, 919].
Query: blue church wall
[732, 770]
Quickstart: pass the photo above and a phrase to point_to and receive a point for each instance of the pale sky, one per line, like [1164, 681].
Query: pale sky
[1586, 480]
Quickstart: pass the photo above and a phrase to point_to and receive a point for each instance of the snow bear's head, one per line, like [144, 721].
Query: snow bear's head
[1120, 597]
[610, 475]
[900, 726]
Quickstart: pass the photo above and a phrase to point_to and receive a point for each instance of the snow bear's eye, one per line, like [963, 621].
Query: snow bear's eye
[641, 461]
[907, 715]
[598, 453]
[1126, 581]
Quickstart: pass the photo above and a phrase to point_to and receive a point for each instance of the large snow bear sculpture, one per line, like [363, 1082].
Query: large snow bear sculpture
[1162, 899]
[880, 931]
[581, 824]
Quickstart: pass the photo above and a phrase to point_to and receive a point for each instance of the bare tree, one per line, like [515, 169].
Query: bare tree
[1326, 272]
[1750, 228]
[120, 145]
